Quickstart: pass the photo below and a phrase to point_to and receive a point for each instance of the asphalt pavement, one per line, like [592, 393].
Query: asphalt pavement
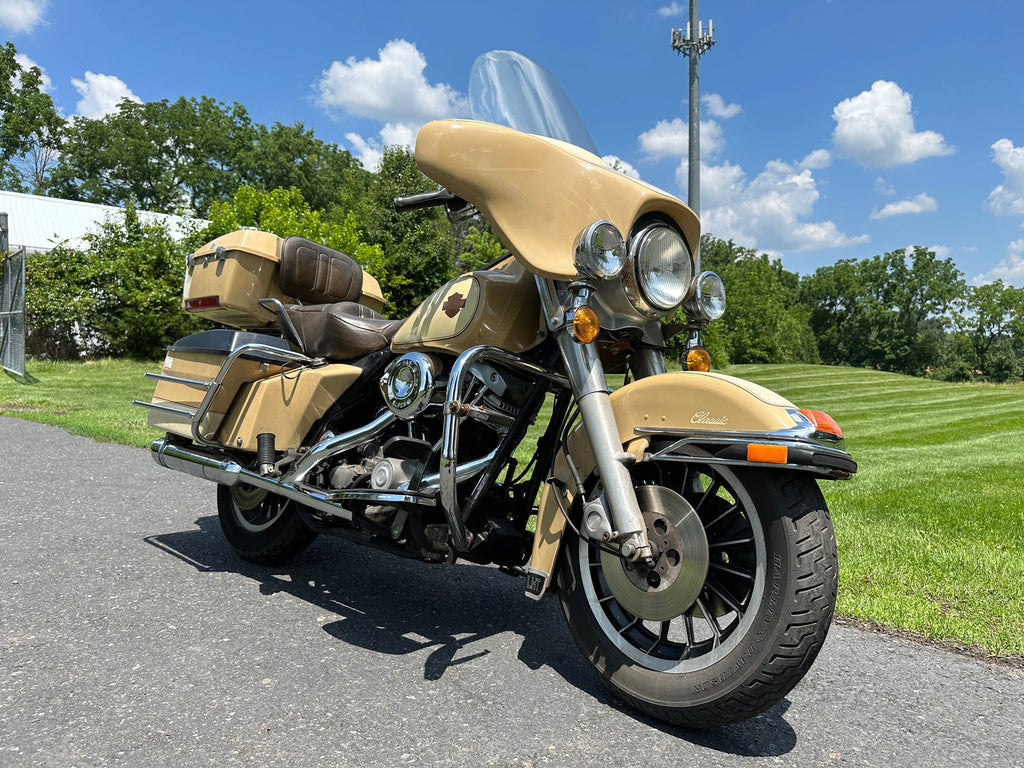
[130, 635]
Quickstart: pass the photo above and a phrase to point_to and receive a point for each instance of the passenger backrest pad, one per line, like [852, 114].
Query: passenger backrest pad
[316, 274]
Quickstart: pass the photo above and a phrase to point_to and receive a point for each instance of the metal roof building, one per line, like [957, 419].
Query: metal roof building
[40, 223]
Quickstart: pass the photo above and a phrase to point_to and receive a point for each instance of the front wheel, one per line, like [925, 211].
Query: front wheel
[735, 607]
[259, 526]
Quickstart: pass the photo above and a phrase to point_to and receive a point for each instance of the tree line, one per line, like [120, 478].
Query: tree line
[906, 311]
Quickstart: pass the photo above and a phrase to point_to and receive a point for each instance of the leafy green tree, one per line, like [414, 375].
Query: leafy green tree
[418, 246]
[30, 128]
[888, 312]
[763, 320]
[120, 295]
[57, 301]
[284, 212]
[988, 330]
[168, 157]
[290, 156]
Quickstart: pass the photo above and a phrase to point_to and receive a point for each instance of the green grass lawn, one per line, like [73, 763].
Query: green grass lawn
[931, 530]
[91, 398]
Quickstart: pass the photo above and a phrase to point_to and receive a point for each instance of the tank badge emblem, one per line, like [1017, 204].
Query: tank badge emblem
[454, 304]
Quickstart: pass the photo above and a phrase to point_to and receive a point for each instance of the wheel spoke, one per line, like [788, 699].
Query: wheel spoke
[629, 626]
[662, 637]
[732, 570]
[731, 510]
[711, 491]
[712, 622]
[731, 543]
[724, 596]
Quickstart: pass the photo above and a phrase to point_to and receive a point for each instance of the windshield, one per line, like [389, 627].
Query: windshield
[511, 89]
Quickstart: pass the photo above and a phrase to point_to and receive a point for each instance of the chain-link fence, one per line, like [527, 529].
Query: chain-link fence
[12, 305]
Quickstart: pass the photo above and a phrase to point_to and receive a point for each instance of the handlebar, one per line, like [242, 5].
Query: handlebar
[439, 196]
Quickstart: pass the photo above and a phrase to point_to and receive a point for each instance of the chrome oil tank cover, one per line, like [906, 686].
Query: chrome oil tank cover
[408, 384]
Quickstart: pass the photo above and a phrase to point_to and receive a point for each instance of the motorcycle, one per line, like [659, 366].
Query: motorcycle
[678, 517]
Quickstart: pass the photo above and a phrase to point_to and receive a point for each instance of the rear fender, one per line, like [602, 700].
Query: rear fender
[689, 416]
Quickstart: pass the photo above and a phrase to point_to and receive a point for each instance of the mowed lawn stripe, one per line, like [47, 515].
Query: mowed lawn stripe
[931, 529]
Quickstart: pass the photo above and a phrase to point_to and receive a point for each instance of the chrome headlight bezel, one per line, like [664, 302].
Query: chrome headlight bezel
[600, 252]
[645, 254]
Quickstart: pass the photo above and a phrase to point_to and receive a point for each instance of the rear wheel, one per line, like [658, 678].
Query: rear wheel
[735, 607]
[260, 526]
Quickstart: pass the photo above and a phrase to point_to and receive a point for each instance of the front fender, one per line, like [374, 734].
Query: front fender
[696, 417]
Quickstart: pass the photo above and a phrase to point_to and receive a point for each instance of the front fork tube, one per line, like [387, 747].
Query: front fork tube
[586, 376]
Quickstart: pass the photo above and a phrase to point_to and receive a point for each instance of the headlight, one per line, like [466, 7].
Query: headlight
[664, 269]
[710, 295]
[600, 251]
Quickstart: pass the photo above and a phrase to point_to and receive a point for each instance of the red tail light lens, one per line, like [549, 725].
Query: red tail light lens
[204, 302]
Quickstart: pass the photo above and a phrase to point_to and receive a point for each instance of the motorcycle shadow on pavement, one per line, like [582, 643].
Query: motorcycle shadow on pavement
[389, 605]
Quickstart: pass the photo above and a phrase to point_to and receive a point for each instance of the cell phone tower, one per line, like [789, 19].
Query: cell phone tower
[694, 42]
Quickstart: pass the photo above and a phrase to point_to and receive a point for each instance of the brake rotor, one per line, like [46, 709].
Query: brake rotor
[680, 549]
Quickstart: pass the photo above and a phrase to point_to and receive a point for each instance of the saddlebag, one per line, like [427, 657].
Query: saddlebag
[223, 388]
[192, 365]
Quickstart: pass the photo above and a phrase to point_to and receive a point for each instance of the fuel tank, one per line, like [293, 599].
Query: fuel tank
[497, 306]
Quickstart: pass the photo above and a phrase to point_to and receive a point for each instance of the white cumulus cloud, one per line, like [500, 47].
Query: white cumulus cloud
[370, 151]
[391, 88]
[920, 204]
[21, 15]
[876, 128]
[716, 106]
[769, 212]
[816, 160]
[1010, 269]
[672, 9]
[671, 138]
[101, 94]
[1008, 198]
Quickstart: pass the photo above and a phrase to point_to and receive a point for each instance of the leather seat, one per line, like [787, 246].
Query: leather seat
[342, 331]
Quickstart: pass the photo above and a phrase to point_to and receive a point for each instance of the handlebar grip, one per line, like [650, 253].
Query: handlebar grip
[439, 196]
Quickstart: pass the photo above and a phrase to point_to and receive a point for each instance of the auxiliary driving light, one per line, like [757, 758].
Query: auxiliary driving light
[600, 251]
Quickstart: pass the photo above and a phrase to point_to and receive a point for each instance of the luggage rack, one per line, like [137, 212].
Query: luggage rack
[261, 353]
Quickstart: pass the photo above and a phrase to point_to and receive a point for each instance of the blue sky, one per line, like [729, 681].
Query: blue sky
[830, 128]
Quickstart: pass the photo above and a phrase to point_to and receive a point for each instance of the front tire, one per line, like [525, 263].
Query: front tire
[736, 607]
[259, 526]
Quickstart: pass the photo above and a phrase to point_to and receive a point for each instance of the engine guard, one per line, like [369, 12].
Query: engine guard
[689, 416]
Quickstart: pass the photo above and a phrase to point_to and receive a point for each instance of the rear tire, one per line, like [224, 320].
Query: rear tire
[259, 526]
[757, 549]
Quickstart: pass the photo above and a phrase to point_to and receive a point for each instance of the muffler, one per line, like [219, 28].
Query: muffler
[227, 472]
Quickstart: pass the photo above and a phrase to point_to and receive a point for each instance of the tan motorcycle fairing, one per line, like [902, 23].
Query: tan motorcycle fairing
[538, 193]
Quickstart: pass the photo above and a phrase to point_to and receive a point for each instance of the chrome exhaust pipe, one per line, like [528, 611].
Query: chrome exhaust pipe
[226, 472]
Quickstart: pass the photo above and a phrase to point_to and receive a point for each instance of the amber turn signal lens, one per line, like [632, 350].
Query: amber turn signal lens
[698, 359]
[822, 421]
[585, 326]
[767, 454]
